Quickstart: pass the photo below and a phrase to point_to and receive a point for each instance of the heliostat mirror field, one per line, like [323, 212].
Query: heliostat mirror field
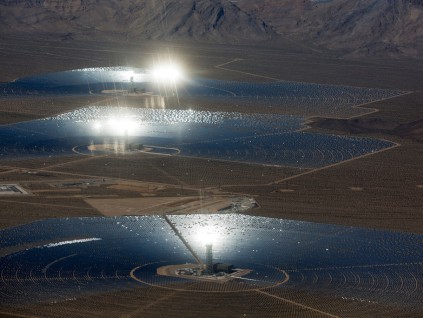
[55, 260]
[252, 138]
[243, 137]
[283, 266]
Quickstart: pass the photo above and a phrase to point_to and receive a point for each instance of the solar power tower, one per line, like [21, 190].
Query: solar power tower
[209, 258]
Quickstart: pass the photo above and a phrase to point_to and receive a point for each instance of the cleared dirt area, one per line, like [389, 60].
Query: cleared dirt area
[384, 190]
[162, 205]
[391, 197]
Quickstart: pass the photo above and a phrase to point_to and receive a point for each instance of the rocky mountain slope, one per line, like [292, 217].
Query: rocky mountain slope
[205, 20]
[359, 27]
[351, 28]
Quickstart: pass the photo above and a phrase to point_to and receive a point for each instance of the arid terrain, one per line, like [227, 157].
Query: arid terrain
[381, 190]
[365, 28]
[356, 28]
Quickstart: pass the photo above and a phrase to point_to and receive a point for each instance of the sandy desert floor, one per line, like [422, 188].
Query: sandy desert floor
[382, 190]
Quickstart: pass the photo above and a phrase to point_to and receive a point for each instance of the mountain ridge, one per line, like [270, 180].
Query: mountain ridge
[207, 20]
[354, 29]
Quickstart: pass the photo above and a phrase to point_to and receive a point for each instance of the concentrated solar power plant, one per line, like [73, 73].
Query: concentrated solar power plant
[253, 138]
[250, 266]
[305, 263]
[304, 99]
[82, 81]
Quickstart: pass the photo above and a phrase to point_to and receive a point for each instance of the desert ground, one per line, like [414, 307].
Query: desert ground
[382, 190]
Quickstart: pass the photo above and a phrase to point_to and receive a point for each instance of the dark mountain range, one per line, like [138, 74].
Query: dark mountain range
[359, 27]
[205, 20]
[351, 28]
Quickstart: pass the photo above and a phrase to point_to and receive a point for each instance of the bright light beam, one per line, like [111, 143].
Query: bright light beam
[117, 126]
[167, 73]
[207, 236]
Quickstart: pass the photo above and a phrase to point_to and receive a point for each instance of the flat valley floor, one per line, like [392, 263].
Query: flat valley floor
[383, 190]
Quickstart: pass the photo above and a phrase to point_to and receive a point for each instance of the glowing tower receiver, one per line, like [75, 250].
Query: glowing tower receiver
[167, 73]
[208, 236]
